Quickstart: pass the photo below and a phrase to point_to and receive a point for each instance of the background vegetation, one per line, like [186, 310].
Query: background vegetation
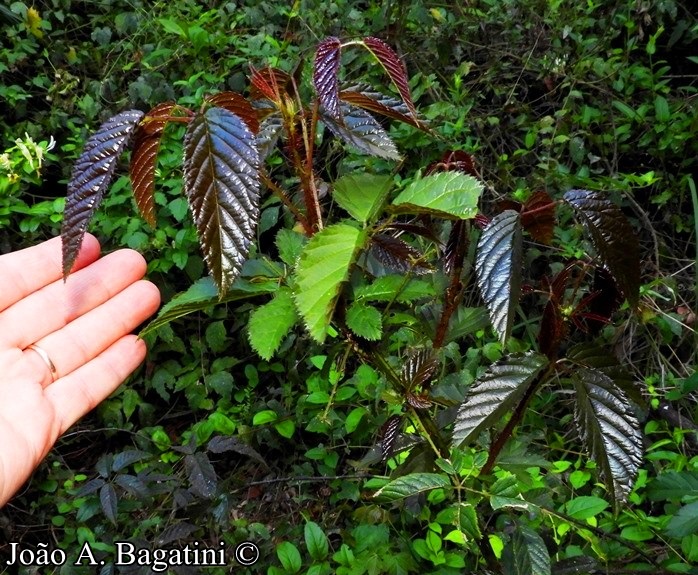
[209, 442]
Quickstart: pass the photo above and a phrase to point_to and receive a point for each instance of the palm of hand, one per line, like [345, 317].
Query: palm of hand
[83, 326]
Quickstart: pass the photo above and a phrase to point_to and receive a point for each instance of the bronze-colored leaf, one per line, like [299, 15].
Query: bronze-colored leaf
[609, 428]
[394, 67]
[270, 84]
[221, 178]
[326, 75]
[455, 247]
[388, 434]
[606, 299]
[538, 217]
[455, 160]
[612, 236]
[238, 105]
[91, 176]
[418, 401]
[398, 255]
[146, 143]
[417, 230]
[419, 368]
[379, 103]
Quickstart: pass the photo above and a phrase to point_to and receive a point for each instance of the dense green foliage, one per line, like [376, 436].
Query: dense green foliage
[311, 408]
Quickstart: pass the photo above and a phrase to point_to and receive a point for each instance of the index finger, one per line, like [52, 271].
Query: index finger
[25, 271]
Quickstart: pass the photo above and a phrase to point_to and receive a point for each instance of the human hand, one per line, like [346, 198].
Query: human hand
[83, 325]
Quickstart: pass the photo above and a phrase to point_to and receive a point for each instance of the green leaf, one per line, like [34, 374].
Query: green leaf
[285, 428]
[661, 109]
[204, 294]
[290, 245]
[411, 484]
[362, 194]
[685, 522]
[674, 485]
[354, 418]
[498, 269]
[452, 195]
[495, 393]
[221, 180]
[613, 237]
[365, 321]
[269, 324]
[465, 321]
[609, 428]
[323, 266]
[395, 287]
[289, 556]
[316, 541]
[585, 507]
[264, 417]
[526, 553]
[172, 27]
[468, 521]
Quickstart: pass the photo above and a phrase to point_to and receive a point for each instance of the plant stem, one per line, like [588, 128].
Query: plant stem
[454, 291]
[269, 183]
[694, 199]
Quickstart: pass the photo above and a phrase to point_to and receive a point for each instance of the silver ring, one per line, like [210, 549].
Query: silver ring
[47, 360]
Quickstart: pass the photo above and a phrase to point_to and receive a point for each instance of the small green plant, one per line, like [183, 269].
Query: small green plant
[21, 164]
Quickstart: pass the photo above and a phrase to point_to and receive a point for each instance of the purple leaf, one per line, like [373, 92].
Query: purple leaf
[92, 174]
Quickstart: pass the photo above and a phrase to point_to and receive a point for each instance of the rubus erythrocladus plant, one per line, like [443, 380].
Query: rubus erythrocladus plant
[225, 145]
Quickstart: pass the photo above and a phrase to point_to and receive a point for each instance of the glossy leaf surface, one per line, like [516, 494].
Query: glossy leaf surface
[419, 368]
[146, 143]
[326, 75]
[377, 102]
[452, 195]
[389, 433]
[612, 236]
[222, 185]
[609, 429]
[495, 393]
[323, 266]
[91, 176]
[398, 255]
[599, 358]
[394, 67]
[238, 105]
[498, 269]
[269, 131]
[526, 553]
[361, 130]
